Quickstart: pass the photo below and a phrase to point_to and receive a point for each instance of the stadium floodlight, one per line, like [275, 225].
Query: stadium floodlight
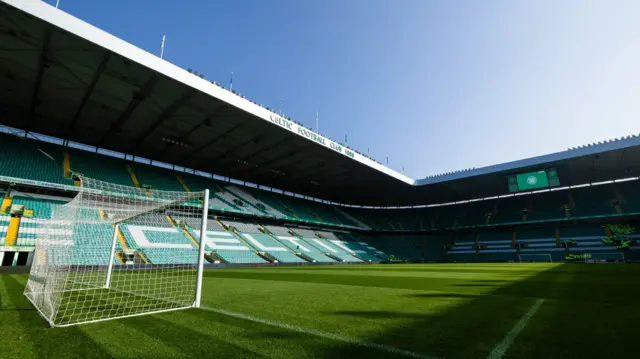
[114, 251]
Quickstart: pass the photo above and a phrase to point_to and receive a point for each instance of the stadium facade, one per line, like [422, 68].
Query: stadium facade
[77, 100]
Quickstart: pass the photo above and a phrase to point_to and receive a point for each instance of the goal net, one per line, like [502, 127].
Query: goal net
[115, 251]
[535, 258]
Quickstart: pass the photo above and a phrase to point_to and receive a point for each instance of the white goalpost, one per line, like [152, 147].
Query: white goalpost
[114, 251]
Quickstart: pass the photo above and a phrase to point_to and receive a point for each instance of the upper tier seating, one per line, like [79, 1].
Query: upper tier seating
[36, 160]
[629, 192]
[238, 203]
[104, 168]
[197, 183]
[587, 201]
[248, 197]
[273, 200]
[157, 178]
[32, 160]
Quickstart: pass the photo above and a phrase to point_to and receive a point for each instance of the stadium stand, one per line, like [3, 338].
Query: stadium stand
[306, 238]
[249, 198]
[4, 228]
[222, 242]
[352, 247]
[239, 203]
[92, 230]
[157, 178]
[300, 246]
[159, 241]
[36, 207]
[462, 216]
[264, 243]
[95, 165]
[325, 246]
[591, 201]
[373, 252]
[29, 159]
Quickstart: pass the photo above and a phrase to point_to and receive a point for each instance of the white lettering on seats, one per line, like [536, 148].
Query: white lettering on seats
[295, 241]
[261, 246]
[343, 246]
[213, 240]
[324, 245]
[137, 232]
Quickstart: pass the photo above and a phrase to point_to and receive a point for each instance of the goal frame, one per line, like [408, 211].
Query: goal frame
[50, 319]
[201, 250]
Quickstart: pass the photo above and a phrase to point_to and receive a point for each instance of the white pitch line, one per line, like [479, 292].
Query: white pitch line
[502, 347]
[316, 333]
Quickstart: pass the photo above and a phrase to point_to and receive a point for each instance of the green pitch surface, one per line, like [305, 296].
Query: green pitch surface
[444, 311]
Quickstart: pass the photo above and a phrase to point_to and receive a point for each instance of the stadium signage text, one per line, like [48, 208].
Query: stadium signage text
[301, 131]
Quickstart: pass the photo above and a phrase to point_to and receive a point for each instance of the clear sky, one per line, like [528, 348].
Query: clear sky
[435, 86]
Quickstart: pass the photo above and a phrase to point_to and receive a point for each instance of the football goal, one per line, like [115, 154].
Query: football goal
[114, 251]
[530, 258]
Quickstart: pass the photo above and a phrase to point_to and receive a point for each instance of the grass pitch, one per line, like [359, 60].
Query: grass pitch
[444, 311]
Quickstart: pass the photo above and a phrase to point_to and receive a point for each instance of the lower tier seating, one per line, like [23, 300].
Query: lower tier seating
[4, 228]
[268, 244]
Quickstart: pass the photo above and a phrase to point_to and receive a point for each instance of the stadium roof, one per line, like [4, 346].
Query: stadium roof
[62, 77]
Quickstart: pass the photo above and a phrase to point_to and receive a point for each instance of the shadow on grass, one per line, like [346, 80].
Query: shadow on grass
[441, 295]
[373, 314]
[491, 281]
[32, 336]
[591, 314]
[191, 343]
[187, 333]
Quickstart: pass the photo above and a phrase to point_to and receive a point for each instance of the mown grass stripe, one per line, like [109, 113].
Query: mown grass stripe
[320, 334]
[502, 347]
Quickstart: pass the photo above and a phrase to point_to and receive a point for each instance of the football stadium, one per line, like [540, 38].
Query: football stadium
[147, 212]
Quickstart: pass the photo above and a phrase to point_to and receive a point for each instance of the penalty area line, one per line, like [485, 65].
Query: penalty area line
[502, 347]
[320, 334]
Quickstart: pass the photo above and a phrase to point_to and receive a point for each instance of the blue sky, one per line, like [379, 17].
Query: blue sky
[435, 86]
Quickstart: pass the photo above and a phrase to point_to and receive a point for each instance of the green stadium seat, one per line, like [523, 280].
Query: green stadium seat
[42, 208]
[100, 167]
[154, 236]
[4, 228]
[593, 201]
[264, 242]
[224, 243]
[33, 160]
[158, 178]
